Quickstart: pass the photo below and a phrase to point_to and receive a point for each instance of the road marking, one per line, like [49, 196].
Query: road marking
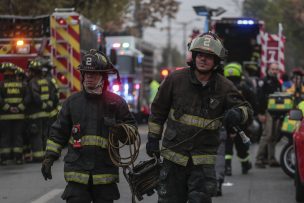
[48, 196]
[142, 146]
[228, 184]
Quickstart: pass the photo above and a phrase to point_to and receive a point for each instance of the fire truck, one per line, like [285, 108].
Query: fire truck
[135, 62]
[248, 44]
[61, 37]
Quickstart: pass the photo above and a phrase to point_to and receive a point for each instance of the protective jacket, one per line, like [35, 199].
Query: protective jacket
[39, 99]
[188, 107]
[12, 94]
[95, 115]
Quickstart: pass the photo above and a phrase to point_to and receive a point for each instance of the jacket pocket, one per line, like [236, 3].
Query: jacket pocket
[170, 134]
[109, 121]
[71, 157]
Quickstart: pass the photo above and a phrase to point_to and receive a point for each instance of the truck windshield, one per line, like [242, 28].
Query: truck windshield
[126, 64]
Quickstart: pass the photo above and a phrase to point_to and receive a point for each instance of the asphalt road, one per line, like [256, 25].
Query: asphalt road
[24, 184]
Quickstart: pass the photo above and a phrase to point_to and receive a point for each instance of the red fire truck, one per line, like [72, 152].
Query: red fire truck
[60, 37]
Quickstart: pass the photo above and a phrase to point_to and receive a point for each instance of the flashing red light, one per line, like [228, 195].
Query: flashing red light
[164, 73]
[61, 21]
[20, 42]
[62, 78]
[137, 86]
[116, 87]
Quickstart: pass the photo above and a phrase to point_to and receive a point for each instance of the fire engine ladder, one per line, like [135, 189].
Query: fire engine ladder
[63, 58]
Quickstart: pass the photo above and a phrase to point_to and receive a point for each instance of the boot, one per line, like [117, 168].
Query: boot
[228, 170]
[259, 164]
[246, 166]
[219, 187]
[274, 163]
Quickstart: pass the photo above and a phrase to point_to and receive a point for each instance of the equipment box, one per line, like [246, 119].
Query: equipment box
[279, 103]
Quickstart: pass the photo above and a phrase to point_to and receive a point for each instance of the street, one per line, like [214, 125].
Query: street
[25, 184]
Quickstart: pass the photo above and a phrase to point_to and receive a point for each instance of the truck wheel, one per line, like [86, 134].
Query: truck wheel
[299, 187]
[287, 160]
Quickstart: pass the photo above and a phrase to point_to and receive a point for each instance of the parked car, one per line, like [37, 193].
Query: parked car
[298, 140]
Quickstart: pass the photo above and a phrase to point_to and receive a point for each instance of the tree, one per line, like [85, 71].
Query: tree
[112, 15]
[178, 59]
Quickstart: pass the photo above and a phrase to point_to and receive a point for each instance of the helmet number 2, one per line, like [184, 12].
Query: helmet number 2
[207, 42]
[88, 61]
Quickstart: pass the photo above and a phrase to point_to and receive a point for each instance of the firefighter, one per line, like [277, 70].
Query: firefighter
[54, 100]
[84, 123]
[193, 101]
[12, 94]
[38, 107]
[269, 85]
[233, 71]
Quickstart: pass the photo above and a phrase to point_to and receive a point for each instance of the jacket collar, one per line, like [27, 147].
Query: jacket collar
[194, 80]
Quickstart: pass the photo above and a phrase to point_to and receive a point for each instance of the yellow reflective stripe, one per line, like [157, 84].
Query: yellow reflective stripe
[92, 140]
[44, 97]
[44, 88]
[13, 100]
[5, 107]
[245, 113]
[38, 154]
[49, 103]
[244, 159]
[21, 107]
[53, 113]
[196, 121]
[18, 149]
[5, 150]
[76, 177]
[227, 156]
[155, 128]
[13, 91]
[203, 159]
[42, 82]
[42, 114]
[12, 116]
[53, 146]
[174, 156]
[104, 179]
[13, 84]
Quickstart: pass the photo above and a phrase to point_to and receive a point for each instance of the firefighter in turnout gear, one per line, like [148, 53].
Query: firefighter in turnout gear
[12, 94]
[84, 124]
[38, 103]
[191, 138]
[233, 71]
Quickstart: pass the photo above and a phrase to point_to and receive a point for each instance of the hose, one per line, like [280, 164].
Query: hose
[132, 139]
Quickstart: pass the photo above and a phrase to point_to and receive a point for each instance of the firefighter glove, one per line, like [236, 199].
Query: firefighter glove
[152, 147]
[233, 117]
[46, 167]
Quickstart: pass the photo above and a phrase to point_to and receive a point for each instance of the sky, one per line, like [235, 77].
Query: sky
[186, 13]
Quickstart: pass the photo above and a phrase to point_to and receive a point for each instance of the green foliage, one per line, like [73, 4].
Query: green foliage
[288, 12]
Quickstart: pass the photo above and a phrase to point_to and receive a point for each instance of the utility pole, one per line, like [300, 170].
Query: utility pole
[169, 43]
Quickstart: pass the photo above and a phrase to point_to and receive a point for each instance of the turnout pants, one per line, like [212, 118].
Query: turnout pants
[180, 184]
[81, 193]
[11, 139]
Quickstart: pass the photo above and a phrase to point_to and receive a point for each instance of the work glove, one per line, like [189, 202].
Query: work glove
[152, 147]
[119, 132]
[233, 117]
[46, 167]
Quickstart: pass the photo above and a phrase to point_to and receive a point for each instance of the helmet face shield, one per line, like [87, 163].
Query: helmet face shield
[208, 44]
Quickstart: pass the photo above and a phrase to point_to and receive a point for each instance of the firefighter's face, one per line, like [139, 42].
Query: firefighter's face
[91, 79]
[204, 62]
